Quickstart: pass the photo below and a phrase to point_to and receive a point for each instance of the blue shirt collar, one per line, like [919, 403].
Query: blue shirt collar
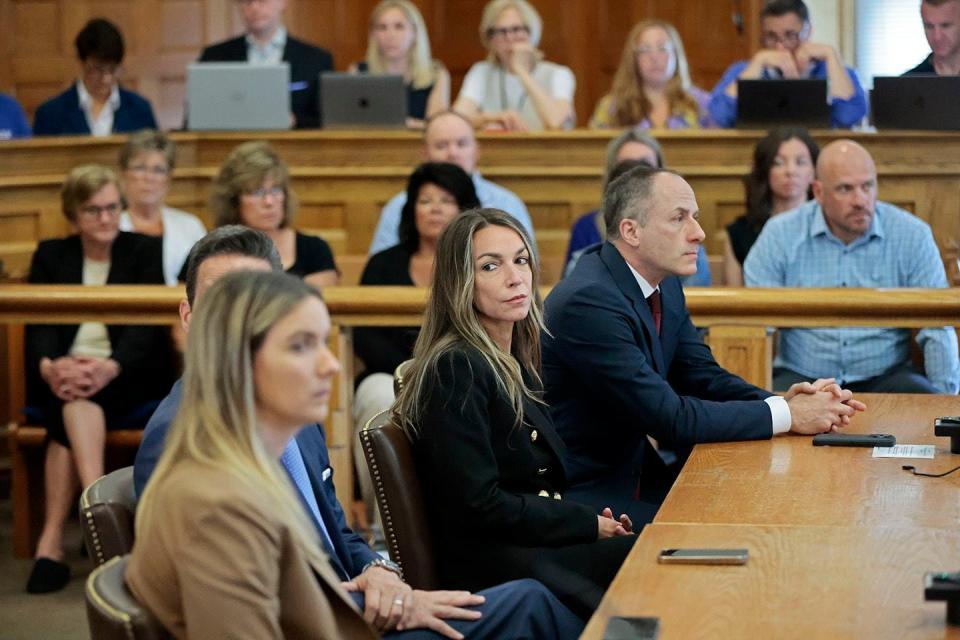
[818, 226]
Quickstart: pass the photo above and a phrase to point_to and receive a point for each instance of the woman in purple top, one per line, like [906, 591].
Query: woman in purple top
[652, 88]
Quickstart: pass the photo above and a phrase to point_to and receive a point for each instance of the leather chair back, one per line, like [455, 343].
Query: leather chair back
[390, 463]
[107, 509]
[112, 611]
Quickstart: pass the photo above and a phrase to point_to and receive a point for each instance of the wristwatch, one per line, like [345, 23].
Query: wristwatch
[389, 565]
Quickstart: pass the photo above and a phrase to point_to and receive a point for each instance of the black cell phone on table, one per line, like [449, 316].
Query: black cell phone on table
[703, 556]
[854, 440]
[632, 628]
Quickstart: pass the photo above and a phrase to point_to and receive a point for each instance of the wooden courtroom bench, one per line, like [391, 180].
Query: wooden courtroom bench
[738, 321]
[343, 178]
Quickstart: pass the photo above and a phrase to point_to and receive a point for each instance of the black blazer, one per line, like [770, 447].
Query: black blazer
[611, 379]
[306, 64]
[482, 474]
[144, 351]
[62, 115]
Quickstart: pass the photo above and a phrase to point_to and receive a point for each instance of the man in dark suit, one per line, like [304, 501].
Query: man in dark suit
[519, 609]
[623, 363]
[265, 41]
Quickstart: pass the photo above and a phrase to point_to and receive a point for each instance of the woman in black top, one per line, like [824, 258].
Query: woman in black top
[253, 189]
[436, 193]
[398, 44]
[489, 458]
[85, 379]
[783, 171]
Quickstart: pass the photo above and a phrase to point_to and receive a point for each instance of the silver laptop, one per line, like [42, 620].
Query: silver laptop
[231, 96]
[362, 101]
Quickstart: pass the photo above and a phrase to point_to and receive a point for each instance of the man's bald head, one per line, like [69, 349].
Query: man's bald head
[449, 137]
[846, 188]
[843, 153]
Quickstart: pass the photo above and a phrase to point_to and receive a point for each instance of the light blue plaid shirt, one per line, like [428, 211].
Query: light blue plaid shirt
[797, 249]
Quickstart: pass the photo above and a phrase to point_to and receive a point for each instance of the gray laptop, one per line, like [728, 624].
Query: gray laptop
[916, 102]
[232, 96]
[362, 101]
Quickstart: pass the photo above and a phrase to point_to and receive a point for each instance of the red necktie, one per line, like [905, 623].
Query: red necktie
[654, 302]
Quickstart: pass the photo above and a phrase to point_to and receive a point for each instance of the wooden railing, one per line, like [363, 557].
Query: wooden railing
[343, 178]
[738, 321]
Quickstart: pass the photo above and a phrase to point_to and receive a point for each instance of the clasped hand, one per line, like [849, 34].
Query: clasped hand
[794, 64]
[78, 377]
[820, 406]
[390, 603]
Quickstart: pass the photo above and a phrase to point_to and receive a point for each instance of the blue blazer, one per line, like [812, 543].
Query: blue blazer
[62, 115]
[611, 380]
[349, 548]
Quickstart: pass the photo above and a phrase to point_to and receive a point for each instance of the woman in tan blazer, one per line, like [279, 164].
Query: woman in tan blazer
[223, 546]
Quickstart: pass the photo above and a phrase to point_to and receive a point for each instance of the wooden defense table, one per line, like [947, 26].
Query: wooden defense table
[839, 541]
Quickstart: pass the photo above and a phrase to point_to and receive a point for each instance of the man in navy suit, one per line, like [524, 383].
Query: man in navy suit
[95, 104]
[518, 609]
[623, 363]
[266, 42]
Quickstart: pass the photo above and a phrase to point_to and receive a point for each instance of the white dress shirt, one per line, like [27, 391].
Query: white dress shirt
[102, 125]
[271, 52]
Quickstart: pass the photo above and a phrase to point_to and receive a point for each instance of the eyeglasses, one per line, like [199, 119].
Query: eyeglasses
[788, 39]
[644, 50]
[263, 192]
[503, 32]
[106, 69]
[93, 212]
[144, 170]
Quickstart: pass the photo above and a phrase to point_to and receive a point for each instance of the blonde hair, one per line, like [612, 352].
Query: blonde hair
[83, 183]
[451, 321]
[146, 141]
[215, 424]
[492, 11]
[421, 67]
[245, 169]
[628, 104]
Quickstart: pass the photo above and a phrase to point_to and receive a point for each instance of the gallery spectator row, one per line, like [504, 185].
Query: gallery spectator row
[513, 89]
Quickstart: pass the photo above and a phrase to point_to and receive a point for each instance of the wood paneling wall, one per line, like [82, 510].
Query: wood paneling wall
[162, 36]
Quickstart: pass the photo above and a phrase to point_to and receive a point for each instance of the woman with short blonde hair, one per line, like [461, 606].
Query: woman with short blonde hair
[398, 44]
[252, 188]
[146, 163]
[651, 87]
[86, 379]
[515, 89]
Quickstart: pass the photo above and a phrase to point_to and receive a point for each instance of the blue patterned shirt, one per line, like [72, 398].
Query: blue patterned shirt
[797, 249]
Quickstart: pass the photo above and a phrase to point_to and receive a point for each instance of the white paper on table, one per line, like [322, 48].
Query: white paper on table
[905, 451]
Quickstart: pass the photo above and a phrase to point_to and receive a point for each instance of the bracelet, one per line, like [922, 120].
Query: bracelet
[389, 565]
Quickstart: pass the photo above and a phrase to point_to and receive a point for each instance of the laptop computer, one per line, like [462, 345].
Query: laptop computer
[232, 96]
[764, 104]
[916, 102]
[362, 101]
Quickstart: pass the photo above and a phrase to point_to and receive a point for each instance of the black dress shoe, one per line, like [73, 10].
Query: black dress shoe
[48, 576]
